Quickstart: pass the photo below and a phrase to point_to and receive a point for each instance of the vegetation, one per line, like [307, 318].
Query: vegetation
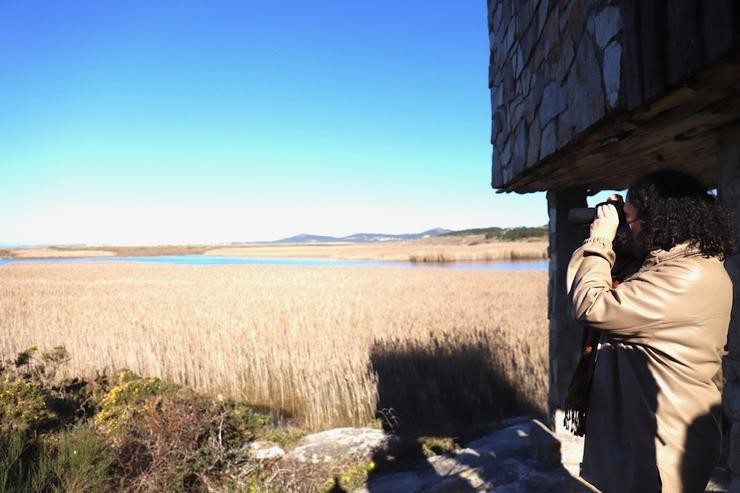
[317, 347]
[516, 243]
[131, 434]
[431, 352]
[507, 234]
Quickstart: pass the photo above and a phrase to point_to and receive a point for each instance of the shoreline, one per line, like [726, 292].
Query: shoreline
[431, 250]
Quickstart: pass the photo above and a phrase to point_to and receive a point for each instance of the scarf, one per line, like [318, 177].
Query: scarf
[579, 391]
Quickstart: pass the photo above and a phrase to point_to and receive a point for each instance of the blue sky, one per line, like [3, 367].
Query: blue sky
[175, 121]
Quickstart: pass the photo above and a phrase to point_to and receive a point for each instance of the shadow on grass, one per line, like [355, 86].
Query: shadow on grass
[444, 387]
[440, 393]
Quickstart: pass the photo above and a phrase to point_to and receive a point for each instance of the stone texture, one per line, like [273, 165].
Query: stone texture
[265, 450]
[506, 155]
[565, 130]
[505, 460]
[542, 14]
[545, 447]
[551, 36]
[605, 25]
[612, 71]
[548, 141]
[521, 137]
[553, 103]
[338, 444]
[576, 20]
[583, 87]
[533, 146]
[546, 67]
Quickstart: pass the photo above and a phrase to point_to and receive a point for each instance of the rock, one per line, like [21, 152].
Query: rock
[553, 103]
[550, 34]
[545, 446]
[265, 450]
[518, 62]
[509, 36]
[402, 482]
[548, 141]
[576, 21]
[583, 88]
[497, 16]
[533, 150]
[565, 131]
[339, 444]
[566, 57]
[605, 25]
[497, 98]
[611, 70]
[506, 155]
[521, 137]
[501, 461]
[542, 15]
[516, 113]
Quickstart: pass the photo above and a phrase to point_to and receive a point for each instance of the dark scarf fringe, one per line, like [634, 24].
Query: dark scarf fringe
[579, 392]
[575, 421]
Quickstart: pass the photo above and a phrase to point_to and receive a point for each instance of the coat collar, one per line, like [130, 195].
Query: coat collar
[681, 250]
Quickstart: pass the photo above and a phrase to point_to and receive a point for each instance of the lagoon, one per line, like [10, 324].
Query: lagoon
[519, 265]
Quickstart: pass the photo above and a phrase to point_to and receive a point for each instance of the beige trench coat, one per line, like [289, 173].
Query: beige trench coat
[653, 422]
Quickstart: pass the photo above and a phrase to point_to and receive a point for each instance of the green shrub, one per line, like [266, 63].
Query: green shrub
[524, 232]
[31, 398]
[17, 457]
[75, 460]
[126, 398]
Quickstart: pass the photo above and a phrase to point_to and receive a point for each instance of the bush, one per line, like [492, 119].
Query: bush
[126, 398]
[75, 460]
[30, 397]
[524, 232]
[134, 434]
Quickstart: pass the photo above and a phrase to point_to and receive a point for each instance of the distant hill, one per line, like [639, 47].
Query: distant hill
[362, 237]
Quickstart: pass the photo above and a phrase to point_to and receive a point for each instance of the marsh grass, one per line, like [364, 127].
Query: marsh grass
[318, 347]
[436, 249]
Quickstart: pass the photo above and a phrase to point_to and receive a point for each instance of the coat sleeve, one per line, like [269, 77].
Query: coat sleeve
[632, 310]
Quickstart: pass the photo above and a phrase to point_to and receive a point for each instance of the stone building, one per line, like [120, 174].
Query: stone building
[586, 95]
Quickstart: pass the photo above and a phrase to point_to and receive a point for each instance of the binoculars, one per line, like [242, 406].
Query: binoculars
[586, 215]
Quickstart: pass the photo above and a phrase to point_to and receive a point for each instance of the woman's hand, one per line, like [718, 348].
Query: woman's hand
[606, 222]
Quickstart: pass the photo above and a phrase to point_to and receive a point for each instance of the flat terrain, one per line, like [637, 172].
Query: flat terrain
[322, 346]
[435, 249]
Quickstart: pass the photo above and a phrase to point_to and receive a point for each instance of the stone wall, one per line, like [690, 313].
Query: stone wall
[554, 71]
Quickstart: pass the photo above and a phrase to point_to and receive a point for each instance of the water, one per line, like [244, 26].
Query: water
[519, 265]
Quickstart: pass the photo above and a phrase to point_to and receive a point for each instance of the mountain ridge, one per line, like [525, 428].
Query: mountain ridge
[362, 237]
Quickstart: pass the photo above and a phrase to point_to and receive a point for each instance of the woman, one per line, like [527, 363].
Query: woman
[653, 416]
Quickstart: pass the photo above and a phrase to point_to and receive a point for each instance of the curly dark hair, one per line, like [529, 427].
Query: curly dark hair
[676, 208]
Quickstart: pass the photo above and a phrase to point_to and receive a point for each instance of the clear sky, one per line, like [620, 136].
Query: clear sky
[127, 121]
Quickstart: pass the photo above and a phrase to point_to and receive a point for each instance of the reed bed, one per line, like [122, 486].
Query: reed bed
[321, 346]
[435, 250]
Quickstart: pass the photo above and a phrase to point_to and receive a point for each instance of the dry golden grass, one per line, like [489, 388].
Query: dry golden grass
[58, 253]
[326, 346]
[451, 249]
